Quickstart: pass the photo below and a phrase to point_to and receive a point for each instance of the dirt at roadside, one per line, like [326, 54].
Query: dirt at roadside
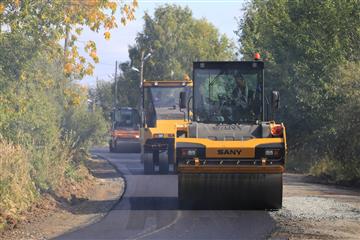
[317, 211]
[73, 206]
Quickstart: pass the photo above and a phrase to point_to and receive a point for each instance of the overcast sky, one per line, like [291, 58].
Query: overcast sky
[222, 14]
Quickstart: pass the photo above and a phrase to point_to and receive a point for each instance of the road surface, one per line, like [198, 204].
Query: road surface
[148, 210]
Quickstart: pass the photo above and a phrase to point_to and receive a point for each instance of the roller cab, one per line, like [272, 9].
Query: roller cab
[234, 153]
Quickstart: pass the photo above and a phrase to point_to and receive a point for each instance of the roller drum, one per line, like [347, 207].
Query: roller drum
[230, 191]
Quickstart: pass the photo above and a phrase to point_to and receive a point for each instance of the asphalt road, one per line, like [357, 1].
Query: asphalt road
[148, 210]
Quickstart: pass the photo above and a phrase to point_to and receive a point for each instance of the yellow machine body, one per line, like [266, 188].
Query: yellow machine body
[158, 135]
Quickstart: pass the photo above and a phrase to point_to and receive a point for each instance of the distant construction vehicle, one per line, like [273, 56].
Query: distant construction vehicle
[233, 154]
[163, 121]
[125, 130]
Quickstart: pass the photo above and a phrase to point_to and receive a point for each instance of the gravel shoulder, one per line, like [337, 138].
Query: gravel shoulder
[66, 211]
[317, 211]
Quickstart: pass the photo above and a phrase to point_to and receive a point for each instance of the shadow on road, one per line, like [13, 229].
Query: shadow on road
[148, 203]
[80, 206]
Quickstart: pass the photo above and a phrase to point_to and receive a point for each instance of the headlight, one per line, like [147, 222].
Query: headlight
[158, 135]
[269, 153]
[272, 153]
[188, 152]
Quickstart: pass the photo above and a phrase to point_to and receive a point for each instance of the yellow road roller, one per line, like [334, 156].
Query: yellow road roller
[162, 122]
[234, 152]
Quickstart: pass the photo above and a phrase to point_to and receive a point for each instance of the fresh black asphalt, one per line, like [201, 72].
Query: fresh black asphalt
[149, 210]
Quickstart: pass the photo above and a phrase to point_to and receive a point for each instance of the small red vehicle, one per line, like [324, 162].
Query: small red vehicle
[125, 130]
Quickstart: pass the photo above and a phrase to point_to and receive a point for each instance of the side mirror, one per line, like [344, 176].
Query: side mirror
[142, 119]
[251, 96]
[182, 102]
[275, 100]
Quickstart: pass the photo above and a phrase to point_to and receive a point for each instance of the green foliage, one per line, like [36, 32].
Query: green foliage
[308, 45]
[341, 138]
[87, 128]
[177, 39]
[46, 24]
[345, 122]
[128, 91]
[17, 190]
[128, 86]
[44, 123]
[71, 172]
[336, 171]
[103, 95]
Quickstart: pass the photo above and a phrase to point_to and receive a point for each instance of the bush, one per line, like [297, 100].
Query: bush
[335, 171]
[341, 134]
[332, 151]
[88, 127]
[315, 65]
[50, 162]
[45, 128]
[17, 189]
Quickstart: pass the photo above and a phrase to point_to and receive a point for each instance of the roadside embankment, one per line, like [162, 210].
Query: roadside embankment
[70, 206]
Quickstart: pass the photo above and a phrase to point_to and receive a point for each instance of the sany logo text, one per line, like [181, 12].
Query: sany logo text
[229, 151]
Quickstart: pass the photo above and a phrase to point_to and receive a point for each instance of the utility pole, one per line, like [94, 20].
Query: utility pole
[142, 69]
[141, 72]
[115, 81]
[141, 86]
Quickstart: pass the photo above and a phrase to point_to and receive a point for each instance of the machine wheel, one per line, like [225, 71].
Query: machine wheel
[111, 149]
[142, 158]
[172, 160]
[156, 155]
[142, 155]
[148, 160]
[164, 162]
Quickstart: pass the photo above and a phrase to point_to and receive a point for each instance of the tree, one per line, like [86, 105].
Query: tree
[128, 86]
[176, 39]
[304, 43]
[46, 23]
[43, 114]
[103, 96]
